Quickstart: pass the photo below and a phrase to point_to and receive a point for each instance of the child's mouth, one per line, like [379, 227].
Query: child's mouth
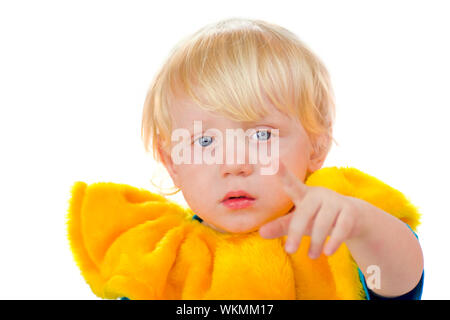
[238, 202]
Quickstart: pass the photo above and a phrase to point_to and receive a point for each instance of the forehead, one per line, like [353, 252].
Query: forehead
[185, 112]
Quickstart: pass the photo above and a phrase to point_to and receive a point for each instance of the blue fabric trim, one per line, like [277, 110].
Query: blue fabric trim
[414, 294]
[363, 281]
[196, 217]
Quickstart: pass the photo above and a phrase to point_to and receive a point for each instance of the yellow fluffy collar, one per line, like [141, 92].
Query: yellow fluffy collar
[130, 242]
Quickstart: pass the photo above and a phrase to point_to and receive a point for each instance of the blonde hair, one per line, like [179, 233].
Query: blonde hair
[231, 67]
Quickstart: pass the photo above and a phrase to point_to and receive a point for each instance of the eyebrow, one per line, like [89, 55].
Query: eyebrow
[206, 125]
[273, 121]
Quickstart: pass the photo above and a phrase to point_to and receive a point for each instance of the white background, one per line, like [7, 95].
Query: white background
[74, 75]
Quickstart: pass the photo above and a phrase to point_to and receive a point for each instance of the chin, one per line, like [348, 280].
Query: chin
[241, 229]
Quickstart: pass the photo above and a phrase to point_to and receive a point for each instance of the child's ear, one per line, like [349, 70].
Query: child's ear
[168, 163]
[318, 153]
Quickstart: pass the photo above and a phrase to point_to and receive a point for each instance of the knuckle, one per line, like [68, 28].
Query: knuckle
[352, 204]
[346, 220]
[323, 220]
[315, 193]
[320, 226]
[294, 229]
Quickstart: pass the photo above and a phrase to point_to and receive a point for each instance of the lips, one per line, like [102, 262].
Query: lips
[238, 200]
[238, 194]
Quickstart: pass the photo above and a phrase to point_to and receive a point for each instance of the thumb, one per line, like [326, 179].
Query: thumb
[276, 228]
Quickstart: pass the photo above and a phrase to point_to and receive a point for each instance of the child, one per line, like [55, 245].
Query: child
[271, 243]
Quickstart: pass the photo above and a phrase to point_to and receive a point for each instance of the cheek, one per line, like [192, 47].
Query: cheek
[195, 183]
[295, 157]
[274, 199]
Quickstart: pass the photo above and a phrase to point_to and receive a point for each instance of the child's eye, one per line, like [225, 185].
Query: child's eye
[263, 135]
[205, 141]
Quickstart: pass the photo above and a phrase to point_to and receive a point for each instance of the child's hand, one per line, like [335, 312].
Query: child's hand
[318, 212]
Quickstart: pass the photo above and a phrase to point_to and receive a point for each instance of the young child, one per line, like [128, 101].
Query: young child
[298, 232]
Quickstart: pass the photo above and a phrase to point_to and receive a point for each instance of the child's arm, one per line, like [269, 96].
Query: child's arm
[388, 244]
[414, 294]
[373, 236]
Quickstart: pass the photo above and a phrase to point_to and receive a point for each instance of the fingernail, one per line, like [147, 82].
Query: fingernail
[290, 247]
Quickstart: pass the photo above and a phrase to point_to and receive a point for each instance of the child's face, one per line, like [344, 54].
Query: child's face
[205, 185]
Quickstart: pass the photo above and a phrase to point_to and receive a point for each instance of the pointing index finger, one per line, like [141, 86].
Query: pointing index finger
[293, 185]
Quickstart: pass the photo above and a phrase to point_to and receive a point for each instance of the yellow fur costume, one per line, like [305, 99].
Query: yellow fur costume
[130, 242]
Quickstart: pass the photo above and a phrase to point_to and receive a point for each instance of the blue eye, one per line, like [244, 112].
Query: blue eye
[205, 141]
[264, 134]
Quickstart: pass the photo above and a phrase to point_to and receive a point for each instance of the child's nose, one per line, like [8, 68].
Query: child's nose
[237, 169]
[236, 158]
